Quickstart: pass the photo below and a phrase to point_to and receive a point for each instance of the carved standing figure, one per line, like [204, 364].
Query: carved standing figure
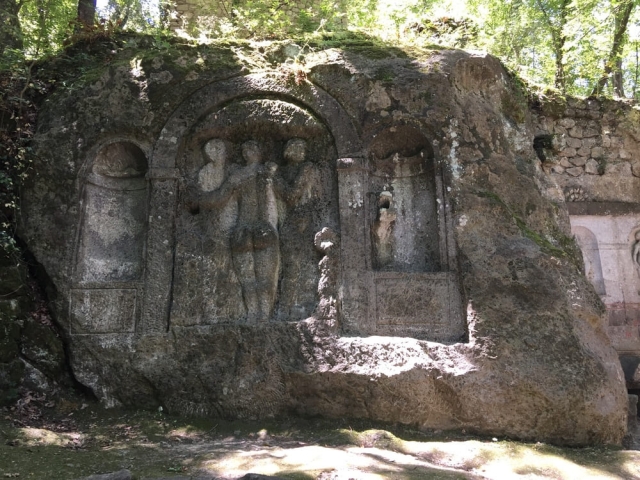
[298, 185]
[255, 245]
[211, 175]
[301, 189]
[254, 237]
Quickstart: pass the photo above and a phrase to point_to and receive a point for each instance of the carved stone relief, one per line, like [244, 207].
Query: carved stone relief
[114, 221]
[404, 230]
[112, 237]
[406, 283]
[269, 209]
[259, 183]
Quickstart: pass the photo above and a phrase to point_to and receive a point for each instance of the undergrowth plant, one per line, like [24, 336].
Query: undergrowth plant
[24, 83]
[18, 114]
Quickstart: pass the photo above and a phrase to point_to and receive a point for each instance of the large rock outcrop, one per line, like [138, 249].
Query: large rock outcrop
[369, 234]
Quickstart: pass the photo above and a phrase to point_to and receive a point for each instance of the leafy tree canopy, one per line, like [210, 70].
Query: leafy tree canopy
[577, 46]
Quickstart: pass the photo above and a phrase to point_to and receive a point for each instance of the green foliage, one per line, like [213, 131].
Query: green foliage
[259, 19]
[362, 13]
[46, 24]
[18, 112]
[136, 15]
[564, 43]
[539, 37]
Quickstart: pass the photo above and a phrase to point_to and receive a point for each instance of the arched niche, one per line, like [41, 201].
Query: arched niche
[403, 203]
[112, 235]
[259, 85]
[591, 254]
[166, 170]
[245, 249]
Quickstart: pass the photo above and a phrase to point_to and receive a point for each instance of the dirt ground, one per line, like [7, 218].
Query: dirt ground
[68, 438]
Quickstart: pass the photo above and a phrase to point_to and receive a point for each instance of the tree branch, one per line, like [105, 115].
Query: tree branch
[621, 23]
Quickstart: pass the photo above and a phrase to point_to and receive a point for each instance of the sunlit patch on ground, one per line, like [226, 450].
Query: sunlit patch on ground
[31, 437]
[466, 459]
[154, 445]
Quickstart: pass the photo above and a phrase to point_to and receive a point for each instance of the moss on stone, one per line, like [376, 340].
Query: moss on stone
[562, 246]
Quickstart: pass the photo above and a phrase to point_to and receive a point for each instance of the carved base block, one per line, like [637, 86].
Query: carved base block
[94, 311]
[425, 306]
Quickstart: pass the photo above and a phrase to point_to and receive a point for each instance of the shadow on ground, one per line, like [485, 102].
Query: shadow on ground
[70, 440]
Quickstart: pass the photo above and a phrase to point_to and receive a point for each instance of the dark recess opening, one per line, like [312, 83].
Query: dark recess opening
[540, 143]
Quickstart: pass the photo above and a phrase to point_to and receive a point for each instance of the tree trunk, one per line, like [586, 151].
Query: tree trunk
[618, 81]
[614, 63]
[560, 80]
[10, 30]
[556, 21]
[86, 13]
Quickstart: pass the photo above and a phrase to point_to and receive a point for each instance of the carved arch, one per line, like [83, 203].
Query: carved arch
[164, 176]
[111, 238]
[113, 226]
[215, 95]
[591, 254]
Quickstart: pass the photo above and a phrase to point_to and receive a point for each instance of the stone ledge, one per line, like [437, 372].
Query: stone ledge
[602, 208]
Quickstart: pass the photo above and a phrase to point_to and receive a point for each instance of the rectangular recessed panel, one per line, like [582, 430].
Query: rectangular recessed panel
[102, 311]
[418, 305]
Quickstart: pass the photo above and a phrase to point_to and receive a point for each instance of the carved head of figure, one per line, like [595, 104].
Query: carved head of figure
[215, 151]
[295, 151]
[251, 152]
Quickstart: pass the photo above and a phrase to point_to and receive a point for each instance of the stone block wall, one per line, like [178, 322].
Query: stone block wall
[590, 148]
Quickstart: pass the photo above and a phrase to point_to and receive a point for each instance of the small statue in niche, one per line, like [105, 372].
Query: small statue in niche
[404, 214]
[383, 229]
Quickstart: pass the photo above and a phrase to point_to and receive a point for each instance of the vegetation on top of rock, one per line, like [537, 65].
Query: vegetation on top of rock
[580, 47]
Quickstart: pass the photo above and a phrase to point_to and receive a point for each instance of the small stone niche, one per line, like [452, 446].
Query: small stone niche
[114, 218]
[110, 253]
[404, 217]
[409, 274]
[405, 195]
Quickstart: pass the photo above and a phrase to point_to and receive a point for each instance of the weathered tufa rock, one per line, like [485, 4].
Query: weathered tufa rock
[268, 243]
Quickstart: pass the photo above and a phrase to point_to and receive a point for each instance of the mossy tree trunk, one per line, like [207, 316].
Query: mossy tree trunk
[86, 13]
[613, 65]
[10, 30]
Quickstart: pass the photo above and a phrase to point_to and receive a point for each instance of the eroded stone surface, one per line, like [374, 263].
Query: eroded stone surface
[336, 246]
